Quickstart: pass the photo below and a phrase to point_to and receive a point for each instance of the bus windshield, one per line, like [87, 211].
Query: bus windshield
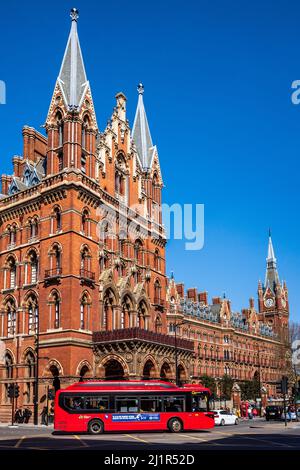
[200, 401]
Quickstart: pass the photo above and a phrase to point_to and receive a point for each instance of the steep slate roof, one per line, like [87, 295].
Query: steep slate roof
[72, 77]
[141, 133]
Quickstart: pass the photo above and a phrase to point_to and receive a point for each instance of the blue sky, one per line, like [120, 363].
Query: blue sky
[217, 79]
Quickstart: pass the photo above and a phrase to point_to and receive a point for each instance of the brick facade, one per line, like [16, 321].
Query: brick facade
[96, 280]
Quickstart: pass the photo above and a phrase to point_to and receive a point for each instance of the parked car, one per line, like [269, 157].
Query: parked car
[223, 417]
[273, 412]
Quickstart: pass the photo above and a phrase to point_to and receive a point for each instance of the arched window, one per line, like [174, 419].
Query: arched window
[142, 316]
[33, 228]
[8, 361]
[157, 292]
[84, 305]
[120, 176]
[57, 220]
[12, 235]
[84, 132]
[30, 365]
[155, 199]
[12, 270]
[85, 222]
[33, 260]
[157, 260]
[55, 255]
[55, 310]
[138, 253]
[60, 126]
[11, 318]
[33, 312]
[85, 259]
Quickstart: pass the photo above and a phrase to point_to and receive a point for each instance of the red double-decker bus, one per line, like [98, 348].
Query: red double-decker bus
[96, 407]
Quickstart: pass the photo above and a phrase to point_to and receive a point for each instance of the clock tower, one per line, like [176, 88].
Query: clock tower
[273, 294]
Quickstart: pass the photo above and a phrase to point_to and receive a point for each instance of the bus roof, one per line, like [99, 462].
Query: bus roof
[132, 385]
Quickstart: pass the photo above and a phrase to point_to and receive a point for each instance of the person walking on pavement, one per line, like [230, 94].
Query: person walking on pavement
[44, 416]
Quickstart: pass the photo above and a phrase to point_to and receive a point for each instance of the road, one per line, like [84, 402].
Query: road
[258, 435]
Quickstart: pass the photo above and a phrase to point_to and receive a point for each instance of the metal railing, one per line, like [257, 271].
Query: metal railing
[50, 273]
[141, 334]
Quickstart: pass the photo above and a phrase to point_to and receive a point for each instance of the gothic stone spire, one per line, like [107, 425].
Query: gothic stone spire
[272, 278]
[72, 77]
[141, 133]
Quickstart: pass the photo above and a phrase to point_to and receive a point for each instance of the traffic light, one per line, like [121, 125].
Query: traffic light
[10, 391]
[284, 385]
[51, 394]
[13, 391]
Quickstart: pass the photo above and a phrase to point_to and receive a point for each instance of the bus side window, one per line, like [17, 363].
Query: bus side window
[173, 403]
[74, 402]
[151, 404]
[127, 404]
[96, 402]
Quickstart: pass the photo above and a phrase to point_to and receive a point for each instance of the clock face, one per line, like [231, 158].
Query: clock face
[283, 302]
[269, 303]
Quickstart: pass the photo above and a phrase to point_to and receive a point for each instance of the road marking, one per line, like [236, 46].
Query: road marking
[84, 444]
[265, 440]
[20, 442]
[136, 438]
[202, 439]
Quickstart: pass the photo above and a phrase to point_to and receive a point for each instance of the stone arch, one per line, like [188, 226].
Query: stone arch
[128, 306]
[143, 313]
[113, 368]
[27, 351]
[149, 369]
[110, 290]
[166, 372]
[9, 257]
[182, 372]
[53, 367]
[84, 369]
[9, 352]
[29, 296]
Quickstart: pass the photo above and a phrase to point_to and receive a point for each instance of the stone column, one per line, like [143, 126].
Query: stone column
[116, 317]
[133, 318]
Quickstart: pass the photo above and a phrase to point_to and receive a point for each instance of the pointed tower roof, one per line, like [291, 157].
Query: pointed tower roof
[272, 278]
[72, 77]
[141, 133]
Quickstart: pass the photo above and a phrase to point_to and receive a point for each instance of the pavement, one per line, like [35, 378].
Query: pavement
[255, 434]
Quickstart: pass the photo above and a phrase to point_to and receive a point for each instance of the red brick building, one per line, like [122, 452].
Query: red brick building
[83, 278]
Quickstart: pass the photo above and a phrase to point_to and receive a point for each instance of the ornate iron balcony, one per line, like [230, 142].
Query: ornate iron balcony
[52, 273]
[85, 274]
[129, 334]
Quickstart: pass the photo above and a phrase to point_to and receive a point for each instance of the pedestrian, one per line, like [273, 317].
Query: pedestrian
[18, 416]
[26, 415]
[254, 412]
[44, 416]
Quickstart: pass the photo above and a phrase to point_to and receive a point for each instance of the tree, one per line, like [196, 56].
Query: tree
[249, 389]
[226, 384]
[209, 382]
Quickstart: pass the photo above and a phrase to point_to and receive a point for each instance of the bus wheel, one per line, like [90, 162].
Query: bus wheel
[96, 426]
[175, 425]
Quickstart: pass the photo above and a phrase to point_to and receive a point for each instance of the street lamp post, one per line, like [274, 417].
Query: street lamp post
[36, 374]
[175, 347]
